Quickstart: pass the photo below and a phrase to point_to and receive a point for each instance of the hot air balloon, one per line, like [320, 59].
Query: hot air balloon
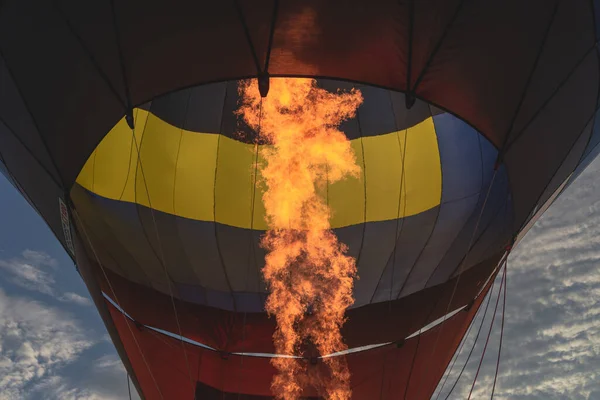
[119, 126]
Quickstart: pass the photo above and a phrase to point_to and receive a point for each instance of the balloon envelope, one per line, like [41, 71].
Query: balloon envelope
[476, 115]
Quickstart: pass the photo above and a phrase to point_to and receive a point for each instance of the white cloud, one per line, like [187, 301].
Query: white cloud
[24, 272]
[39, 258]
[75, 298]
[30, 271]
[35, 342]
[551, 346]
[109, 362]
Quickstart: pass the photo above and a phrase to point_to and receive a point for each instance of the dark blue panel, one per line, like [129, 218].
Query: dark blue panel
[4, 171]
[453, 216]
[463, 152]
[595, 138]
[479, 221]
[591, 151]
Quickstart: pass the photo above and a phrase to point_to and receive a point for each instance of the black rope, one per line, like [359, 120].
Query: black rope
[271, 34]
[463, 344]
[409, 97]
[161, 254]
[251, 252]
[438, 45]
[528, 82]
[43, 141]
[474, 344]
[240, 14]
[487, 340]
[128, 386]
[128, 105]
[501, 329]
[88, 53]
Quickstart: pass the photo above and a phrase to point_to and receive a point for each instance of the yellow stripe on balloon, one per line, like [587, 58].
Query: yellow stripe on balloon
[210, 177]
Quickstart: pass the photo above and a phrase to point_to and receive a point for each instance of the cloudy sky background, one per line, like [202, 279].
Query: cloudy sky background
[53, 344]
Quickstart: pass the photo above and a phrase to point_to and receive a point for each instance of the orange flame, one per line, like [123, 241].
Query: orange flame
[309, 275]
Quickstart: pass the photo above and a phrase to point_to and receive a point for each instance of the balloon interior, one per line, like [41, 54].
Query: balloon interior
[294, 199]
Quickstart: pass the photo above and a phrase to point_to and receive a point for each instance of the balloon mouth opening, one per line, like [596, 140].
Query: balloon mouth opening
[313, 360]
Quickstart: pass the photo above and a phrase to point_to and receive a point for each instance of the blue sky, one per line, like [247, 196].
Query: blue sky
[53, 344]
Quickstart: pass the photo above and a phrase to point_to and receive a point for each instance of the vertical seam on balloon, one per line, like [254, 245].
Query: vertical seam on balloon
[130, 155]
[118, 303]
[34, 121]
[111, 256]
[137, 211]
[397, 233]
[253, 200]
[251, 252]
[536, 61]
[121, 56]
[501, 328]
[438, 45]
[475, 242]
[402, 151]
[411, 23]
[432, 228]
[88, 53]
[271, 34]
[401, 215]
[504, 208]
[412, 268]
[419, 336]
[473, 211]
[489, 334]
[581, 159]
[215, 210]
[584, 155]
[138, 206]
[474, 237]
[162, 260]
[23, 193]
[44, 168]
[558, 168]
[94, 154]
[3, 161]
[242, 19]
[455, 283]
[362, 146]
[489, 297]
[524, 130]
[176, 217]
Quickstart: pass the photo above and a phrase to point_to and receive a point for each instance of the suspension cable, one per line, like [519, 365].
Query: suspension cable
[487, 304]
[501, 329]
[488, 335]
[472, 347]
[459, 275]
[251, 252]
[110, 286]
[162, 258]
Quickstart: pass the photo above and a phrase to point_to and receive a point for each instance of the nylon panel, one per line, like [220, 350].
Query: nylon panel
[564, 48]
[46, 60]
[252, 331]
[551, 136]
[232, 376]
[487, 46]
[484, 212]
[211, 109]
[223, 258]
[176, 174]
